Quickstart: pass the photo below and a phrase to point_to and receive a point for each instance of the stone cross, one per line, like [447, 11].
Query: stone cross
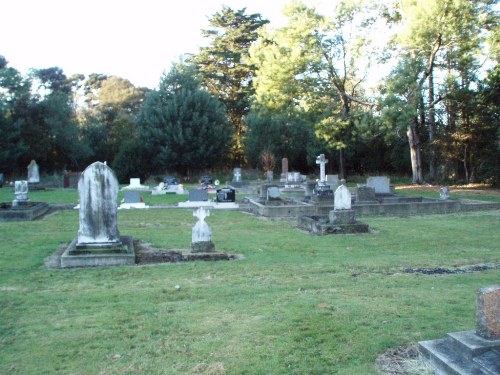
[201, 213]
[237, 174]
[321, 161]
[201, 239]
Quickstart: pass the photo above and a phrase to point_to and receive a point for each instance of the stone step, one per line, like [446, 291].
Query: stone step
[489, 362]
[446, 361]
[470, 345]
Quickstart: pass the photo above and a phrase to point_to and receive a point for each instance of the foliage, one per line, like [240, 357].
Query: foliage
[182, 127]
[284, 134]
[224, 68]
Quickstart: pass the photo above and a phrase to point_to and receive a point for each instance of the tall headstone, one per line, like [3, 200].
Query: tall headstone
[1, 180]
[201, 239]
[98, 191]
[284, 169]
[20, 193]
[33, 173]
[98, 242]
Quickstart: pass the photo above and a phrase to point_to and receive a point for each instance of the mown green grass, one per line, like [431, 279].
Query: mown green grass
[296, 303]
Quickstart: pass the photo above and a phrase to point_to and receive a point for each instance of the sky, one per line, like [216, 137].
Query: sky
[133, 39]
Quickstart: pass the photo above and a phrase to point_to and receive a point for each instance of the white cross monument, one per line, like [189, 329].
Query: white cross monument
[322, 161]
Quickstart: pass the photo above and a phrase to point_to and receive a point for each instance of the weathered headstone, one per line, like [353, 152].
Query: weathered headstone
[444, 193]
[365, 194]
[226, 195]
[284, 169]
[273, 193]
[201, 239]
[71, 179]
[20, 193]
[33, 173]
[342, 198]
[98, 242]
[381, 184]
[198, 195]
[98, 191]
[488, 312]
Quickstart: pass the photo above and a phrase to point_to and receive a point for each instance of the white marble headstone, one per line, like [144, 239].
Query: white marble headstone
[33, 173]
[201, 231]
[342, 198]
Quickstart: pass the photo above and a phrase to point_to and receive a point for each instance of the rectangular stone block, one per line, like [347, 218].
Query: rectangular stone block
[488, 312]
[198, 195]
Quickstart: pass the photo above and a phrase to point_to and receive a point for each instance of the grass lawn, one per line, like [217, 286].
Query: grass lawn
[296, 304]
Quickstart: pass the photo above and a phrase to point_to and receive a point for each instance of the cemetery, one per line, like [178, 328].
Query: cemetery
[311, 193]
[351, 288]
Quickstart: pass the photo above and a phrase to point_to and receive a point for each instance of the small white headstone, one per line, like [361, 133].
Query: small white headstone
[33, 173]
[201, 231]
[20, 193]
[444, 193]
[342, 198]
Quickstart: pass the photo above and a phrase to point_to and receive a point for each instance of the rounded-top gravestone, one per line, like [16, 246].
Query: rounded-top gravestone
[98, 191]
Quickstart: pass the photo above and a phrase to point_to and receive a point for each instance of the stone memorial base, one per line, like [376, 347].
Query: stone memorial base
[462, 353]
[469, 352]
[202, 247]
[321, 200]
[337, 222]
[128, 206]
[26, 211]
[321, 226]
[99, 255]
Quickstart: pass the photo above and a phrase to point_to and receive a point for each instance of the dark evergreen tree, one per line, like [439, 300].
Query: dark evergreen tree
[225, 69]
[182, 127]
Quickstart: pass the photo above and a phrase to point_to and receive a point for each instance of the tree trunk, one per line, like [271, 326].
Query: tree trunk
[415, 154]
[432, 130]
[341, 164]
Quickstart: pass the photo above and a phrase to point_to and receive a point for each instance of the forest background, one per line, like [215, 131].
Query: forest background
[257, 93]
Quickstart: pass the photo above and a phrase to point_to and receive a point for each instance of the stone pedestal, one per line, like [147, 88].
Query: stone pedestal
[465, 353]
[365, 194]
[342, 216]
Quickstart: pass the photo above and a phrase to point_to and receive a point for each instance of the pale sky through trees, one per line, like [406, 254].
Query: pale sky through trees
[133, 39]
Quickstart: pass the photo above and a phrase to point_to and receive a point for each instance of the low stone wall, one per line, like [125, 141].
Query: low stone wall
[28, 213]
